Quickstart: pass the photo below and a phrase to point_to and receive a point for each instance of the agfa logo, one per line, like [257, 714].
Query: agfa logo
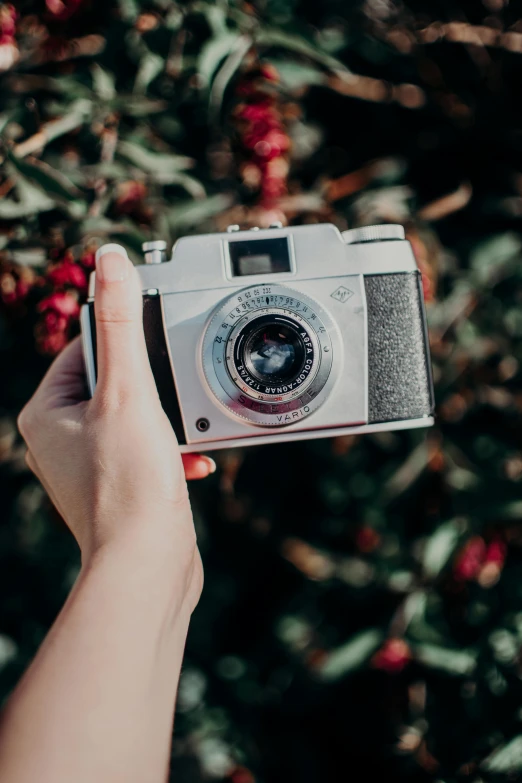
[342, 294]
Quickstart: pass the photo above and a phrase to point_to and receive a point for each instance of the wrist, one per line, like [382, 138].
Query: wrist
[165, 571]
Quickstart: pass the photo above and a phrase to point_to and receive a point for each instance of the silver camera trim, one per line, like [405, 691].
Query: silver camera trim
[87, 344]
[283, 434]
[217, 342]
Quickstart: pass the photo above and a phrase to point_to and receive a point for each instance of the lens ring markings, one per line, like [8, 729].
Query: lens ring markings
[237, 390]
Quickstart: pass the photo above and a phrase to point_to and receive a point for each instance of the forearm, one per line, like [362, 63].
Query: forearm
[98, 701]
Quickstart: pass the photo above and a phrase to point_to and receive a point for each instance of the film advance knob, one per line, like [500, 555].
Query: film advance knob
[383, 233]
[155, 251]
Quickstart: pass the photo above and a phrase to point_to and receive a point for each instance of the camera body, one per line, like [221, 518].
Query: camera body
[279, 334]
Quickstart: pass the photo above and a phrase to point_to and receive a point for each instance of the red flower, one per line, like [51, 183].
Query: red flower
[56, 47]
[55, 323]
[15, 284]
[67, 273]
[242, 775]
[393, 657]
[60, 310]
[88, 259]
[263, 135]
[367, 539]
[8, 47]
[60, 302]
[8, 16]
[496, 552]
[255, 112]
[62, 9]
[269, 72]
[479, 561]
[130, 196]
[52, 344]
[272, 188]
[470, 559]
[493, 563]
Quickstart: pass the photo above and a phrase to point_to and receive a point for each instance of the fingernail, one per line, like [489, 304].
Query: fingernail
[112, 263]
[212, 467]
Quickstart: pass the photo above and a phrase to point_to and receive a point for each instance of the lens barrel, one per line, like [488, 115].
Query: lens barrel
[276, 352]
[267, 355]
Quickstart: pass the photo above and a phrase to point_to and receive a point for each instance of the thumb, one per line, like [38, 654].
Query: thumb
[123, 363]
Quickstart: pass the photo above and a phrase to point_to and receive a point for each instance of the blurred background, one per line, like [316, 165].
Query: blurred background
[362, 611]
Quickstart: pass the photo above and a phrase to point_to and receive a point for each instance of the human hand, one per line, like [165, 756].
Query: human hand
[111, 465]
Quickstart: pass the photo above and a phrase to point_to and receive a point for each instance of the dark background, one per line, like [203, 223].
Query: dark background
[362, 611]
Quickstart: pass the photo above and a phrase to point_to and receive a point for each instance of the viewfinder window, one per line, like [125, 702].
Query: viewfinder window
[259, 256]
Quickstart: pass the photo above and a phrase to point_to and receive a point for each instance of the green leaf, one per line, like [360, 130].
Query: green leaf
[74, 116]
[123, 232]
[499, 510]
[188, 183]
[131, 239]
[410, 470]
[350, 656]
[440, 546]
[8, 650]
[31, 201]
[295, 43]
[107, 170]
[213, 53]
[29, 256]
[67, 86]
[5, 119]
[50, 180]
[452, 661]
[215, 16]
[138, 105]
[155, 163]
[491, 257]
[296, 75]
[103, 82]
[331, 39]
[507, 759]
[151, 65]
[129, 9]
[238, 52]
[193, 213]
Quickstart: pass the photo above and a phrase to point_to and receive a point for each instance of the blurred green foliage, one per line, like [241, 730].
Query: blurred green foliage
[362, 611]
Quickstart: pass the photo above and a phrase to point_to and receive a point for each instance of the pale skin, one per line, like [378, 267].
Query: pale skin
[97, 703]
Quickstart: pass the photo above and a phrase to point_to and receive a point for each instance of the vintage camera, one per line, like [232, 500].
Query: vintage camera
[279, 334]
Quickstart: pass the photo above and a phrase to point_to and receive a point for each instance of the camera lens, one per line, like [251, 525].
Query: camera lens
[267, 355]
[274, 353]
